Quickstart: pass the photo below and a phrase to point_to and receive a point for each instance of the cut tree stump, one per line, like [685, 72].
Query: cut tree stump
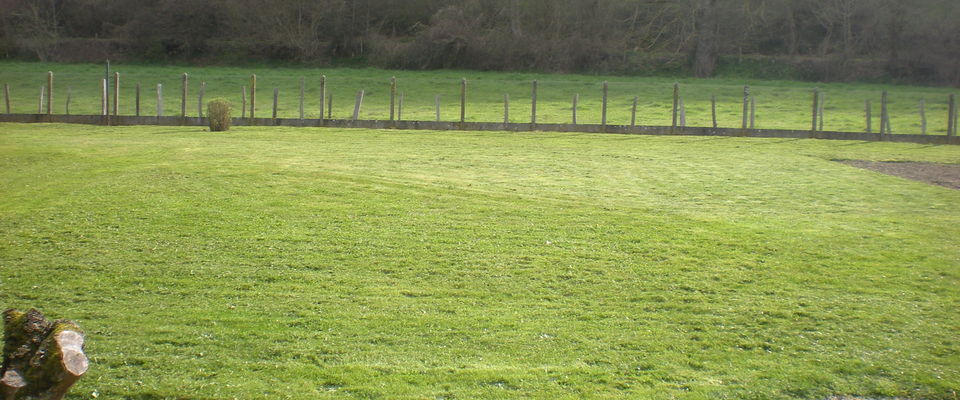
[42, 359]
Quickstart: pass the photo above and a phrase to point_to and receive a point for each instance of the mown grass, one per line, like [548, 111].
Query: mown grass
[780, 104]
[320, 263]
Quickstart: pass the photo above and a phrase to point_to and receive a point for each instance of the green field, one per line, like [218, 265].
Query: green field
[324, 263]
[779, 104]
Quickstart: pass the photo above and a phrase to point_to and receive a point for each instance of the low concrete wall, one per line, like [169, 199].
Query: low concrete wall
[481, 126]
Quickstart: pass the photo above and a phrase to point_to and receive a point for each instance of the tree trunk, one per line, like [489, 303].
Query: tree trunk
[41, 359]
[705, 57]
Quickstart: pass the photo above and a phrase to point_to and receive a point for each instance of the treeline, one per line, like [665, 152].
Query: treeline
[916, 41]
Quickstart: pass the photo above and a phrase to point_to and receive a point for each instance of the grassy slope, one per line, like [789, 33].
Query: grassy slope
[306, 263]
[780, 104]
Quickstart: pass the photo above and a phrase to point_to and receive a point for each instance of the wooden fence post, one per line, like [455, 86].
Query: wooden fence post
[603, 109]
[868, 111]
[323, 96]
[713, 110]
[183, 95]
[746, 97]
[6, 96]
[823, 102]
[49, 92]
[753, 111]
[676, 103]
[393, 96]
[103, 97]
[69, 96]
[436, 102]
[159, 100]
[533, 106]
[253, 96]
[884, 118]
[633, 112]
[106, 99]
[923, 117]
[302, 90]
[137, 100]
[951, 115]
[356, 107]
[576, 99]
[276, 99]
[506, 108]
[43, 90]
[243, 103]
[116, 94]
[463, 100]
[203, 90]
[816, 108]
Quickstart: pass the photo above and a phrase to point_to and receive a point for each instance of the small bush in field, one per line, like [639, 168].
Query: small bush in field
[218, 113]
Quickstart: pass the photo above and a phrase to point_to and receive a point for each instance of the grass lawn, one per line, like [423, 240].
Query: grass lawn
[320, 263]
[779, 104]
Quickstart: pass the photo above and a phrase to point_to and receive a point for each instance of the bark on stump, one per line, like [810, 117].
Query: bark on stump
[42, 359]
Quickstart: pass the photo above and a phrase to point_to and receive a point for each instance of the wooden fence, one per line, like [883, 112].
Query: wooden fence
[394, 120]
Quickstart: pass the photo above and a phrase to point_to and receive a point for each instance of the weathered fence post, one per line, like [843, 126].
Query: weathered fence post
[103, 97]
[954, 116]
[323, 95]
[463, 101]
[243, 103]
[66, 108]
[276, 99]
[356, 107]
[116, 94]
[302, 90]
[868, 111]
[923, 117]
[676, 103]
[533, 105]
[253, 96]
[951, 115]
[816, 108]
[43, 90]
[436, 102]
[576, 99]
[633, 112]
[603, 109]
[6, 96]
[106, 77]
[393, 96]
[49, 92]
[713, 110]
[506, 108]
[183, 95]
[137, 100]
[159, 100]
[753, 111]
[203, 90]
[823, 102]
[746, 97]
[884, 118]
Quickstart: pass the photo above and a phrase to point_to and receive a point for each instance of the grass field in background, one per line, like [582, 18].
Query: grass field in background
[312, 263]
[780, 104]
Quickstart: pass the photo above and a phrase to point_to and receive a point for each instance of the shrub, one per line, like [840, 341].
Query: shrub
[218, 114]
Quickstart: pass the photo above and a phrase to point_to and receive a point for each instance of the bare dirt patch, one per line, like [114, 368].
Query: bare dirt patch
[947, 175]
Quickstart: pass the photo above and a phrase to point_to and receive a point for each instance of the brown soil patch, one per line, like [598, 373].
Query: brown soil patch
[947, 175]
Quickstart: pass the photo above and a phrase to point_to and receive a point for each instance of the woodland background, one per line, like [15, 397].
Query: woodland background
[914, 41]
